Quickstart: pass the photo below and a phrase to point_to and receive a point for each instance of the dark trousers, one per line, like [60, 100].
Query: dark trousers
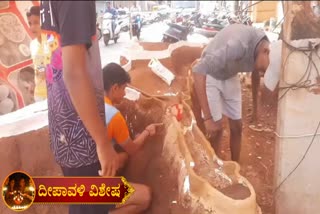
[113, 27]
[91, 170]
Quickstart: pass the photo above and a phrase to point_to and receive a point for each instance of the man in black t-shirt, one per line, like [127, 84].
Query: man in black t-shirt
[76, 98]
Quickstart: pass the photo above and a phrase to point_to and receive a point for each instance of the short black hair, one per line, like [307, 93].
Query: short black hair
[34, 10]
[113, 74]
[27, 74]
[264, 39]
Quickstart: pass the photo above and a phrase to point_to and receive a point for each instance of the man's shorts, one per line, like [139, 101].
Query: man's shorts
[224, 97]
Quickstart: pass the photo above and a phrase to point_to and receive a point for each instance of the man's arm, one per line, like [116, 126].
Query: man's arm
[200, 88]
[76, 30]
[200, 69]
[27, 196]
[81, 91]
[77, 81]
[200, 72]
[132, 146]
[255, 82]
[119, 131]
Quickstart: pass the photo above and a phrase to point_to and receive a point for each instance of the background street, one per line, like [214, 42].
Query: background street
[149, 33]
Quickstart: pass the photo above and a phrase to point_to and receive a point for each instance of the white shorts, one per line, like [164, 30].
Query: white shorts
[224, 97]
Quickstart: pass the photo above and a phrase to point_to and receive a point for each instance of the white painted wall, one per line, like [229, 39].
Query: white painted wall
[298, 114]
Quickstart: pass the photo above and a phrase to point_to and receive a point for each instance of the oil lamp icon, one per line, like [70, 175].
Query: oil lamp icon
[17, 198]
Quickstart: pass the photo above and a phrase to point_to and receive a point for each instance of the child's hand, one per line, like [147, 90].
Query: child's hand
[152, 129]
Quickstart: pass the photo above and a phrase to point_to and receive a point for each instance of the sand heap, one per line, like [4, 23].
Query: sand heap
[178, 163]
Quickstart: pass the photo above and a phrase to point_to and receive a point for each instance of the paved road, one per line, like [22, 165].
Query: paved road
[149, 33]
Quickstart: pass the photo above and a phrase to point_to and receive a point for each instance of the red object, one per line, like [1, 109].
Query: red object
[179, 112]
[210, 29]
[18, 199]
[79, 190]
[179, 19]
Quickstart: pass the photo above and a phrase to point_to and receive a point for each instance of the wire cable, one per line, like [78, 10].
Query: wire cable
[303, 157]
[294, 136]
[240, 11]
[304, 81]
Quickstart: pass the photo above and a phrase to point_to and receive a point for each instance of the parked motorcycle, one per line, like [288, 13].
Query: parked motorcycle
[197, 19]
[110, 28]
[124, 24]
[147, 19]
[247, 21]
[208, 25]
[153, 18]
[176, 33]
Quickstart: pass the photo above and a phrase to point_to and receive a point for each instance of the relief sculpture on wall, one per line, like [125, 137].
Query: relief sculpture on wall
[16, 69]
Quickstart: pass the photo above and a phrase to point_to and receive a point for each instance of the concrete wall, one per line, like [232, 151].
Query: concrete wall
[24, 136]
[298, 114]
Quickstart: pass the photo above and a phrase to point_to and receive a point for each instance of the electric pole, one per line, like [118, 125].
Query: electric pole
[298, 112]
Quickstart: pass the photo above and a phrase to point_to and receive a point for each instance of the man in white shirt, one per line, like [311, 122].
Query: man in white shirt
[135, 7]
[272, 75]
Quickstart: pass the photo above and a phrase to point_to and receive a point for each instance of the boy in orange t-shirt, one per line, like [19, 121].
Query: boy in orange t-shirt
[115, 80]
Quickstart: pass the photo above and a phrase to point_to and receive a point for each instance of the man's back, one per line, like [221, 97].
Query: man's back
[232, 51]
